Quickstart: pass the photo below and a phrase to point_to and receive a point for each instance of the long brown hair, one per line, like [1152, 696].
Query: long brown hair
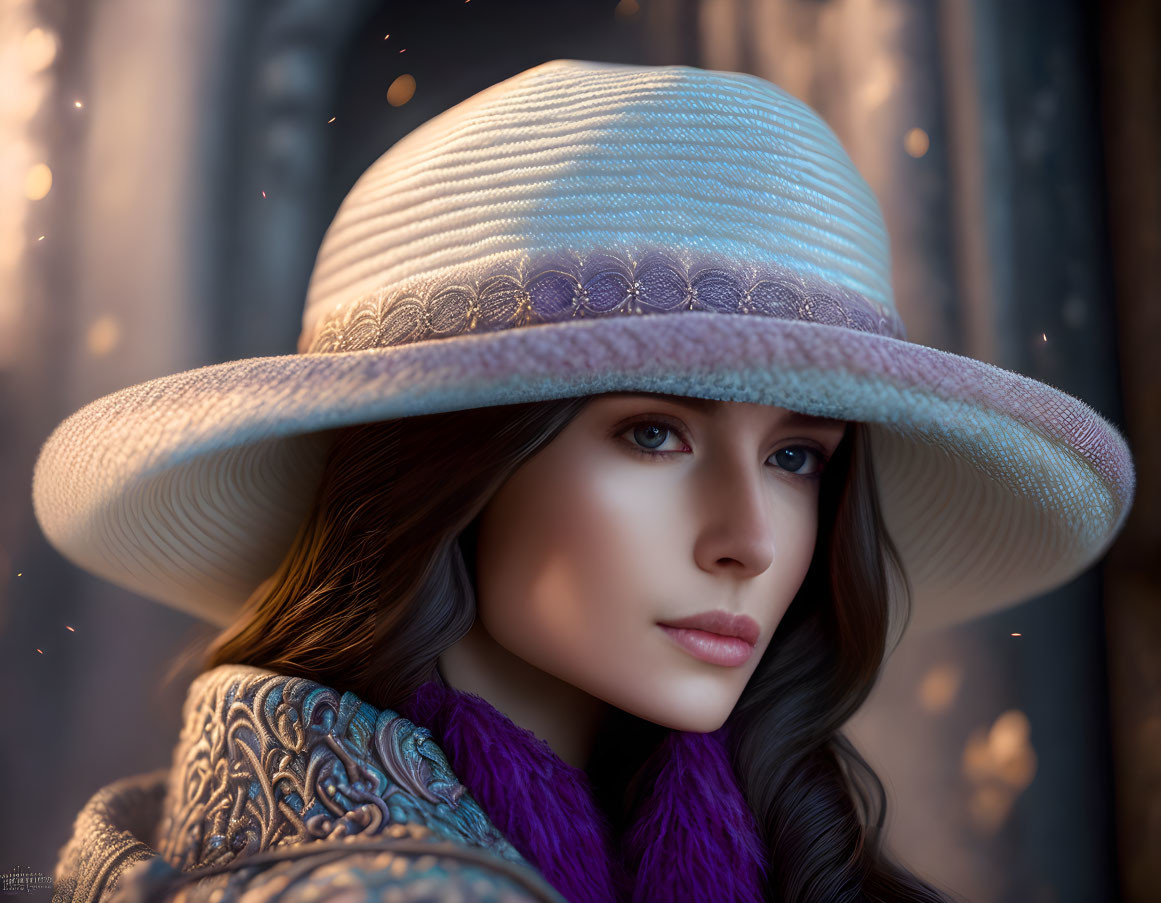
[379, 581]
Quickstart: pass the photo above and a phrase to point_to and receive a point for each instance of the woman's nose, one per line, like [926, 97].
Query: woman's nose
[736, 517]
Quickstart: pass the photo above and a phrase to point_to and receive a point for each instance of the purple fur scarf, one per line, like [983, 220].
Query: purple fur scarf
[693, 837]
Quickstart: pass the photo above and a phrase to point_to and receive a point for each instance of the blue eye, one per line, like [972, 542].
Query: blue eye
[649, 435]
[794, 457]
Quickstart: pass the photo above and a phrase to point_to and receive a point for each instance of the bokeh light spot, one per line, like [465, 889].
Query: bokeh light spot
[39, 49]
[938, 688]
[103, 336]
[401, 90]
[37, 182]
[916, 142]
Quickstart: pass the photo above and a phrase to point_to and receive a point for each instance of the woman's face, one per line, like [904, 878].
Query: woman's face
[646, 510]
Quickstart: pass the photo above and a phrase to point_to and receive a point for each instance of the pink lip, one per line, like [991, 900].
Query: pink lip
[717, 637]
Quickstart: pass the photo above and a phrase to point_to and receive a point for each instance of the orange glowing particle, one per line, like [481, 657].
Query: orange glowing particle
[401, 90]
[916, 142]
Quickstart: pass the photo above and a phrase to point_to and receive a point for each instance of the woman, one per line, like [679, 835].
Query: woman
[458, 541]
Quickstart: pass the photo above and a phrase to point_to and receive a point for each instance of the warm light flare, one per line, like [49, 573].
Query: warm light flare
[103, 336]
[916, 142]
[25, 99]
[69, 628]
[939, 687]
[39, 48]
[401, 90]
[1001, 763]
[37, 182]
[27, 53]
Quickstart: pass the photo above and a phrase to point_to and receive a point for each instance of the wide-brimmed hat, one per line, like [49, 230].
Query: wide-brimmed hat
[582, 228]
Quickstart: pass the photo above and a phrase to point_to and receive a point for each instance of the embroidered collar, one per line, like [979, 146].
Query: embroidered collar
[266, 759]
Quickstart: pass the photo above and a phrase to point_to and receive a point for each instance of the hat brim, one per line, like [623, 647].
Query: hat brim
[188, 489]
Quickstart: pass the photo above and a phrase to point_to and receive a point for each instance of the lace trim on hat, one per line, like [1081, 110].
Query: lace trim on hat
[601, 285]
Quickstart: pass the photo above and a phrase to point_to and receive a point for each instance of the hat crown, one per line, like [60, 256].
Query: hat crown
[586, 189]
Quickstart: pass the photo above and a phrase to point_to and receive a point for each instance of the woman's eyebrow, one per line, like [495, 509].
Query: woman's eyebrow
[707, 406]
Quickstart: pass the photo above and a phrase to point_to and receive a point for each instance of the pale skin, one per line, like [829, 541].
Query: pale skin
[592, 543]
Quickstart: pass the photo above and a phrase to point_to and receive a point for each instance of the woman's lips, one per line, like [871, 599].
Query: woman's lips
[711, 647]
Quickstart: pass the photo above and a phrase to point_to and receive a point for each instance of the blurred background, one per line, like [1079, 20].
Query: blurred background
[167, 170]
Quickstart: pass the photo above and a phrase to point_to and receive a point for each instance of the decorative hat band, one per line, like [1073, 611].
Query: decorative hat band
[566, 286]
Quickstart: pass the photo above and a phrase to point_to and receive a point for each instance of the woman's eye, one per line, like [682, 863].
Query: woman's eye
[797, 459]
[648, 437]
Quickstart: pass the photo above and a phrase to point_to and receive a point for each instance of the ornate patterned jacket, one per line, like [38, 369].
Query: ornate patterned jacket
[283, 788]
